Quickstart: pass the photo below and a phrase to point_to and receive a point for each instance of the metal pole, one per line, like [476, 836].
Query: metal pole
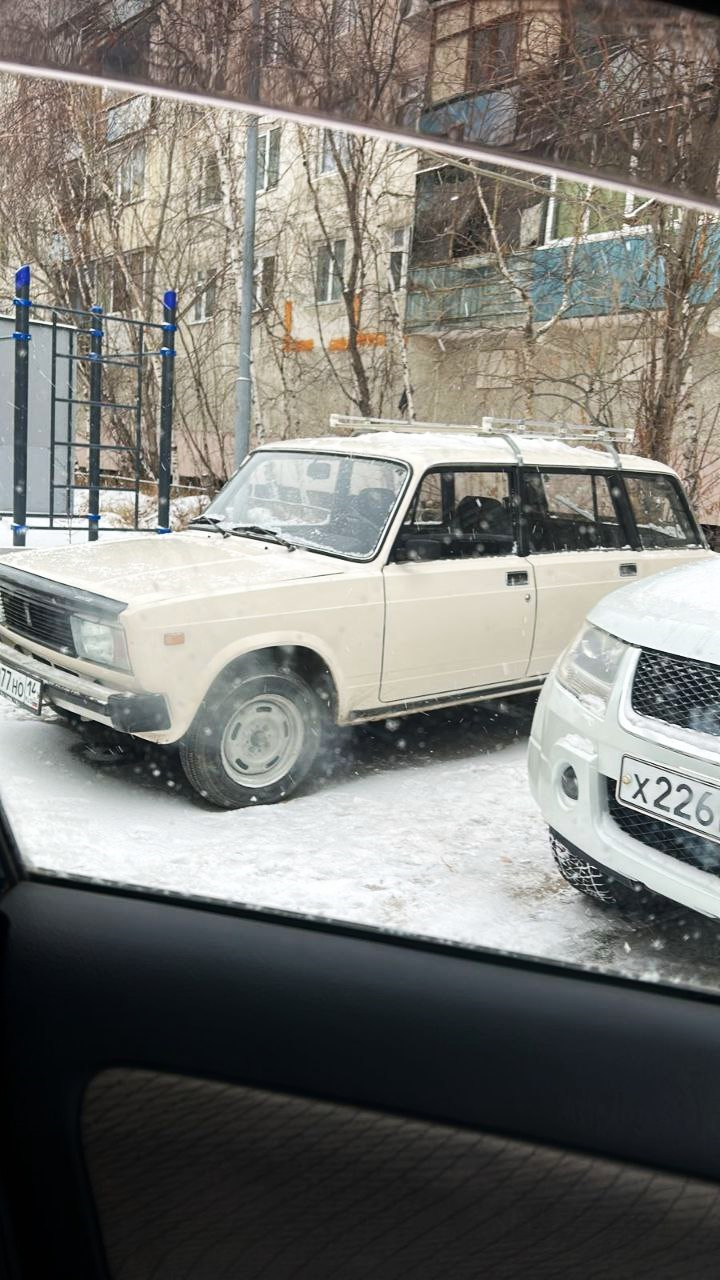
[20, 404]
[243, 416]
[167, 352]
[96, 346]
[53, 394]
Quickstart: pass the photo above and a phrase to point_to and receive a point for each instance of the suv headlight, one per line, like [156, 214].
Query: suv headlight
[589, 667]
[100, 642]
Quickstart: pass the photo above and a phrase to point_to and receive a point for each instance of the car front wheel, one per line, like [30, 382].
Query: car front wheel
[255, 738]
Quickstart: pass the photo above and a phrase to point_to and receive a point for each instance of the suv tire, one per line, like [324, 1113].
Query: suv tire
[592, 880]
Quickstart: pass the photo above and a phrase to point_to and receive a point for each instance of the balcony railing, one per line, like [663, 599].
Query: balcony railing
[486, 118]
[606, 275]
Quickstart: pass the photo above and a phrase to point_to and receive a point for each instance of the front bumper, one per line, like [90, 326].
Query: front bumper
[129, 712]
[563, 734]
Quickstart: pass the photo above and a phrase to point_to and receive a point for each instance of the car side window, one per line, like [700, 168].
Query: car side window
[572, 511]
[660, 513]
[460, 514]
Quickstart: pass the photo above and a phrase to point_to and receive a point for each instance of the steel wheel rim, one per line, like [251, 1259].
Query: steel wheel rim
[262, 740]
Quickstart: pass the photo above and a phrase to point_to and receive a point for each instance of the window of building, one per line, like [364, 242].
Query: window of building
[209, 188]
[344, 17]
[466, 513]
[471, 53]
[572, 511]
[127, 284]
[128, 117]
[334, 150]
[268, 159]
[205, 295]
[276, 35]
[265, 269]
[329, 268]
[130, 175]
[492, 53]
[399, 242]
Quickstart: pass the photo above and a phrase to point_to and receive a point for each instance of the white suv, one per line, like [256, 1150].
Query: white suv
[625, 746]
[337, 580]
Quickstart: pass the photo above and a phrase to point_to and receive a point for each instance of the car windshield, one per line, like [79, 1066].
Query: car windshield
[360, 464]
[336, 503]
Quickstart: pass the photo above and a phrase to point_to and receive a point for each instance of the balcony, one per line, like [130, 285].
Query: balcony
[489, 119]
[611, 274]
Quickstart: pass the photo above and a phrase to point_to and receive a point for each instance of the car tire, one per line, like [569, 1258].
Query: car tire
[590, 879]
[255, 738]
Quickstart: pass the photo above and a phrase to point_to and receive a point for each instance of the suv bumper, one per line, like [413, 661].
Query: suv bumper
[128, 712]
[564, 734]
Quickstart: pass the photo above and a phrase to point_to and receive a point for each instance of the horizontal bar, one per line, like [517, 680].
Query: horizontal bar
[76, 311]
[112, 448]
[83, 488]
[94, 359]
[104, 404]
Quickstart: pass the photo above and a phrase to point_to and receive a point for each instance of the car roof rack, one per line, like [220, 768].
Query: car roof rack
[506, 429]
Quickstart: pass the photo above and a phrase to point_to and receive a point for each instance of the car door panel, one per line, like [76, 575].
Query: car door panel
[568, 584]
[344, 1058]
[456, 624]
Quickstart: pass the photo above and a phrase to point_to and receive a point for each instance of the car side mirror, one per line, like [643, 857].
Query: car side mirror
[416, 546]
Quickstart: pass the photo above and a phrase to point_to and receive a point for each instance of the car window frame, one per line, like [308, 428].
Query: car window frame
[363, 457]
[633, 473]
[620, 501]
[445, 469]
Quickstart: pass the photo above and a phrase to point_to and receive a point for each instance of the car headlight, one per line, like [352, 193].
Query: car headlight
[589, 667]
[100, 642]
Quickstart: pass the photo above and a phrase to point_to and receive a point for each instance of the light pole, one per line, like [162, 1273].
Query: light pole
[243, 414]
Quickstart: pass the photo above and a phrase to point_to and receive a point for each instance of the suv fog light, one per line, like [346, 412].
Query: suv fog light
[569, 783]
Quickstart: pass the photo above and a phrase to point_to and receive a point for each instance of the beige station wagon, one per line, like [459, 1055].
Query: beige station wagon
[341, 579]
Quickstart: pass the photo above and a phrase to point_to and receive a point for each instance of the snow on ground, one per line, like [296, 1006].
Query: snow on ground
[428, 829]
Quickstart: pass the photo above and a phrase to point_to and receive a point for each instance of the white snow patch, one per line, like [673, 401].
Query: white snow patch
[429, 831]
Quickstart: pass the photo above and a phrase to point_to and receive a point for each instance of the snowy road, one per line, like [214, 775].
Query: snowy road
[429, 829]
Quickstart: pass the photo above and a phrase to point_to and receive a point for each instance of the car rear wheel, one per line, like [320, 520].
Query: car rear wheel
[588, 878]
[255, 738]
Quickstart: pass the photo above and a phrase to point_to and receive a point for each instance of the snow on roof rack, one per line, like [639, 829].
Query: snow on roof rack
[506, 429]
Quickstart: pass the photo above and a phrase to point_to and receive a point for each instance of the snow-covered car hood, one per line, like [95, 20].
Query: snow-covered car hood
[171, 566]
[675, 612]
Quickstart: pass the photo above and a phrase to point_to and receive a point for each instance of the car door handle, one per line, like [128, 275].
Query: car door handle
[628, 570]
[517, 578]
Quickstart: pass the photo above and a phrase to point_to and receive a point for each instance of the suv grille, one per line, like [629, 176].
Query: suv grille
[678, 691]
[663, 836]
[37, 616]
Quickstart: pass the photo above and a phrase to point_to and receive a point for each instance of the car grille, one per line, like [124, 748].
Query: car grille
[678, 691]
[663, 836]
[37, 616]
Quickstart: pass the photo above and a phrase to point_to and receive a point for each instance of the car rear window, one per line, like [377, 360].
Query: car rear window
[661, 514]
[571, 511]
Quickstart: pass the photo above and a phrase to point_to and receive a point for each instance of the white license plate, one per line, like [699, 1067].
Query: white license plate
[684, 801]
[20, 688]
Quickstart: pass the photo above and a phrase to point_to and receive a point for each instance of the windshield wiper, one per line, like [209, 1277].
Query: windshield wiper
[267, 535]
[209, 522]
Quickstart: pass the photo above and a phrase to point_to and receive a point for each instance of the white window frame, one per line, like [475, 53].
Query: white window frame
[126, 191]
[400, 243]
[628, 228]
[264, 143]
[259, 303]
[205, 287]
[271, 33]
[325, 151]
[332, 277]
